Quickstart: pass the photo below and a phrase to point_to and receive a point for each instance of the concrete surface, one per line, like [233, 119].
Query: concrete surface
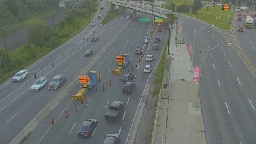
[179, 121]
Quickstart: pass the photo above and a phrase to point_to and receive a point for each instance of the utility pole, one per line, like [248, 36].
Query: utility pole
[53, 19]
[193, 50]
[7, 56]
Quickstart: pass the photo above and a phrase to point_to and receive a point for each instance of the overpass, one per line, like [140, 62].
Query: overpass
[157, 11]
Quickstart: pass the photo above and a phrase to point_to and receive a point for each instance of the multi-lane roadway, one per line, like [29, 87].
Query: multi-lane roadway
[65, 129]
[226, 90]
[18, 105]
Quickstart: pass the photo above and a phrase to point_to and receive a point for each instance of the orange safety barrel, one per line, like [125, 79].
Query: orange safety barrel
[83, 79]
[119, 58]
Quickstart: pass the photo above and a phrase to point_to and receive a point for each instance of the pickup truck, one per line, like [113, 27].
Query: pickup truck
[115, 111]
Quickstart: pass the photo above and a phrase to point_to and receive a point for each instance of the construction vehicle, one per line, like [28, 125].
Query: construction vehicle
[87, 81]
[122, 61]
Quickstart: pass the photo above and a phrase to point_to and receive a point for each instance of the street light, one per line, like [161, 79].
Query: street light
[168, 42]
[9, 68]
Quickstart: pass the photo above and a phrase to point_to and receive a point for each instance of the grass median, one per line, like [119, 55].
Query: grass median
[223, 16]
[110, 16]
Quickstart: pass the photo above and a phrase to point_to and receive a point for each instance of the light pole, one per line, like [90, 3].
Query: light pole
[160, 8]
[168, 51]
[7, 56]
[193, 50]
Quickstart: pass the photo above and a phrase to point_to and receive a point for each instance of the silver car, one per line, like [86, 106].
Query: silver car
[20, 75]
[39, 83]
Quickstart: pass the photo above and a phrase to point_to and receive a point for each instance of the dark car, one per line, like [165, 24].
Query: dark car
[115, 111]
[138, 51]
[88, 52]
[155, 47]
[239, 14]
[128, 77]
[239, 18]
[95, 38]
[88, 128]
[56, 82]
[111, 139]
[128, 87]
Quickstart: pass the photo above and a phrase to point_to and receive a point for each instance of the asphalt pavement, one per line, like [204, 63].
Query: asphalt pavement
[226, 91]
[65, 130]
[18, 105]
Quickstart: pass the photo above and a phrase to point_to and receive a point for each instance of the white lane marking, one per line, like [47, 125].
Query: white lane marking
[251, 104]
[230, 64]
[81, 56]
[128, 100]
[65, 69]
[12, 117]
[213, 66]
[120, 129]
[124, 115]
[107, 104]
[219, 82]
[72, 127]
[95, 130]
[227, 107]
[238, 81]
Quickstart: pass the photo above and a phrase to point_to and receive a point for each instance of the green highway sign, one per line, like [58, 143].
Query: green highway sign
[159, 19]
[144, 19]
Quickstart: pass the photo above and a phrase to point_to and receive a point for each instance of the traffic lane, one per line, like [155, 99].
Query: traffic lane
[35, 102]
[60, 60]
[48, 59]
[224, 79]
[210, 119]
[114, 76]
[222, 110]
[246, 42]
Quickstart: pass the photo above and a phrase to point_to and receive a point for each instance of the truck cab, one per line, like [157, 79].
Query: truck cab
[115, 111]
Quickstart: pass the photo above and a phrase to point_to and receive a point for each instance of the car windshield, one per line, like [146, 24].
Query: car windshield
[88, 51]
[18, 74]
[84, 128]
[138, 49]
[126, 86]
[38, 82]
[149, 56]
[94, 37]
[147, 68]
[55, 80]
[109, 140]
[155, 45]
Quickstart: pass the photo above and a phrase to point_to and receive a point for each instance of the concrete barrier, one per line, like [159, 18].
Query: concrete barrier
[42, 114]
[60, 96]
[54, 104]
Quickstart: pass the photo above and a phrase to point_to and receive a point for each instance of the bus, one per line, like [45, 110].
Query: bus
[248, 22]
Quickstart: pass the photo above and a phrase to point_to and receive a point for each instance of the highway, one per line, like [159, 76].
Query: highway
[18, 105]
[226, 90]
[65, 129]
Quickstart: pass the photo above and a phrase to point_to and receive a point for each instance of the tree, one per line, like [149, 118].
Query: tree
[89, 6]
[38, 32]
[171, 18]
[183, 8]
[196, 6]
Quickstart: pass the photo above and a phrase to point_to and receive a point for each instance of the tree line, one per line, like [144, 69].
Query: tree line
[42, 38]
[185, 8]
[17, 11]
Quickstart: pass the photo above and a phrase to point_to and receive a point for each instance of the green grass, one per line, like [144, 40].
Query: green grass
[159, 74]
[222, 23]
[24, 139]
[110, 16]
[107, 3]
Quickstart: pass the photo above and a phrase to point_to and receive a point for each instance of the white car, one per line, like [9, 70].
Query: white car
[20, 75]
[149, 58]
[93, 23]
[147, 68]
[39, 83]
